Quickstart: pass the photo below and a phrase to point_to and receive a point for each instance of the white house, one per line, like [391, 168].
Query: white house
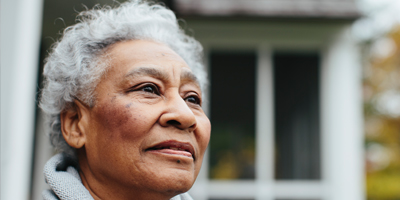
[284, 99]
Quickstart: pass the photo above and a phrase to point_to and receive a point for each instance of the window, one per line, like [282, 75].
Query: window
[264, 110]
[296, 97]
[232, 115]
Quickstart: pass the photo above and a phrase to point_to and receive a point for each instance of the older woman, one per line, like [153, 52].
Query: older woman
[123, 92]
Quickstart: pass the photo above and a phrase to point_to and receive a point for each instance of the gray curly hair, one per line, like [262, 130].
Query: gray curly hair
[75, 65]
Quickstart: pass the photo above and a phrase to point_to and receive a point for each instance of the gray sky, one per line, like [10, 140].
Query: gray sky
[379, 18]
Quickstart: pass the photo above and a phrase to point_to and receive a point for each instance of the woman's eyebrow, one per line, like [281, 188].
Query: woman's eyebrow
[148, 71]
[188, 76]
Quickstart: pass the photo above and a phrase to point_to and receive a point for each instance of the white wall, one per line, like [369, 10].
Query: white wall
[20, 42]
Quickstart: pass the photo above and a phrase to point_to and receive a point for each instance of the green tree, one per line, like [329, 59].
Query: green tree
[382, 117]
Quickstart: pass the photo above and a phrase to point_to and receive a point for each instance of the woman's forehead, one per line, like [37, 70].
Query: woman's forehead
[136, 58]
[142, 50]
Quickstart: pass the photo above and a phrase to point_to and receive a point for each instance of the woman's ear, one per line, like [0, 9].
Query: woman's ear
[73, 124]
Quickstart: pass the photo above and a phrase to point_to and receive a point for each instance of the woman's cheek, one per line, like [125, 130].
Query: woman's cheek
[123, 121]
[205, 130]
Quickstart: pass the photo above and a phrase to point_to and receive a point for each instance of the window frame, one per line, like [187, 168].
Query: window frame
[264, 186]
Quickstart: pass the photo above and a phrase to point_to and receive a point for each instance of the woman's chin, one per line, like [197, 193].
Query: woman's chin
[177, 182]
[168, 173]
[169, 188]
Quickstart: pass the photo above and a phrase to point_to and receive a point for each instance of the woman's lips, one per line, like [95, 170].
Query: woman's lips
[175, 152]
[174, 148]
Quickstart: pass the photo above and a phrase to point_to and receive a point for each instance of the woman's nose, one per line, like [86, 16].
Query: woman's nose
[178, 114]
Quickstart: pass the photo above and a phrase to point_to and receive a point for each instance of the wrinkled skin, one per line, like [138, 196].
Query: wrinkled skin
[148, 96]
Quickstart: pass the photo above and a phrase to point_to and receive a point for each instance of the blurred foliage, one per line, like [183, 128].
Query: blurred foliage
[382, 117]
[232, 152]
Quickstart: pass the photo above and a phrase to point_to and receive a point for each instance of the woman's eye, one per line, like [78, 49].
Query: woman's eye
[193, 99]
[150, 88]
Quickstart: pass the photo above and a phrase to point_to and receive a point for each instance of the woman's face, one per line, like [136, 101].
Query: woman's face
[147, 133]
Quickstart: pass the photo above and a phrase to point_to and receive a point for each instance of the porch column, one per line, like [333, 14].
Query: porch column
[342, 119]
[20, 44]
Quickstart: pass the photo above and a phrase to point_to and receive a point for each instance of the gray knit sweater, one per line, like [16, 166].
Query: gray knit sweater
[65, 183]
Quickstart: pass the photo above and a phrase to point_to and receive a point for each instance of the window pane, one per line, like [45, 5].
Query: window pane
[297, 137]
[232, 115]
[230, 199]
